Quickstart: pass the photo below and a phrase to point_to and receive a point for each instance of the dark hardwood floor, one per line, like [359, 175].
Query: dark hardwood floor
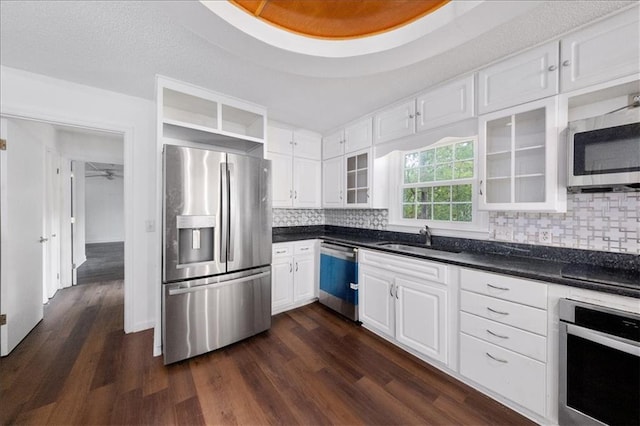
[105, 262]
[313, 367]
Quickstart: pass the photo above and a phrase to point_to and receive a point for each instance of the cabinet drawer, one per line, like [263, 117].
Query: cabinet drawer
[304, 247]
[524, 317]
[282, 250]
[405, 265]
[514, 376]
[512, 338]
[503, 287]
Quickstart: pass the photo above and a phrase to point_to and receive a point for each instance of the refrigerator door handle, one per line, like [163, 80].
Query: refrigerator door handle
[230, 176]
[176, 291]
[224, 210]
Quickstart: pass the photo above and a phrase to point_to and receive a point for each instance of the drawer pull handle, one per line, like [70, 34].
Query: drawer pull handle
[504, 361]
[497, 312]
[497, 335]
[304, 249]
[280, 251]
[498, 288]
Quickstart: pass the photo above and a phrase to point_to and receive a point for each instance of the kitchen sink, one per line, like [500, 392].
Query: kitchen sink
[418, 249]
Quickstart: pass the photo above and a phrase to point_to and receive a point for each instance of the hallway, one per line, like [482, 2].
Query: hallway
[105, 262]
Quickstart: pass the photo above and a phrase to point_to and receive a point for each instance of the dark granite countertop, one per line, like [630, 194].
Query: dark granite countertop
[620, 271]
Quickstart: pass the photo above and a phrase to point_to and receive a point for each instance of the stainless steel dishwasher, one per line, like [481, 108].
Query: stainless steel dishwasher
[339, 279]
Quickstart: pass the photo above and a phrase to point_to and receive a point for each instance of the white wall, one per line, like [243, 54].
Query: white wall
[104, 210]
[79, 214]
[32, 95]
[104, 148]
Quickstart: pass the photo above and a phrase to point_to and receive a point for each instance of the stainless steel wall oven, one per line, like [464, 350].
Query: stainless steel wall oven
[599, 365]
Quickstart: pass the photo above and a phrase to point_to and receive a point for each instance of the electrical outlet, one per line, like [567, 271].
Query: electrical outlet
[634, 99]
[544, 237]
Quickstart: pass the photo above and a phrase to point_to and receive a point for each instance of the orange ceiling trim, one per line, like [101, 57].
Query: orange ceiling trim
[339, 19]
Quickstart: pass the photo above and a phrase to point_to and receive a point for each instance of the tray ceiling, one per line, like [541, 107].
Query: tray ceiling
[339, 19]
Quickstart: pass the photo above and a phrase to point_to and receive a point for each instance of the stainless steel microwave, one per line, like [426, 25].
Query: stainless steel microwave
[604, 153]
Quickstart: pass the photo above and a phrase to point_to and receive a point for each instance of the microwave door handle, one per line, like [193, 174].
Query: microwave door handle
[224, 209]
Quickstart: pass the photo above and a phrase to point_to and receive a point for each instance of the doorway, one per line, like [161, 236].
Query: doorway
[49, 149]
[103, 222]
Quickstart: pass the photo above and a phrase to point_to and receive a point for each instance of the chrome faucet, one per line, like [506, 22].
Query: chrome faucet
[427, 235]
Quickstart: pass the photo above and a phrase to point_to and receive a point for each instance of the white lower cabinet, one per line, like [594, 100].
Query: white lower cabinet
[294, 275]
[517, 377]
[503, 337]
[404, 306]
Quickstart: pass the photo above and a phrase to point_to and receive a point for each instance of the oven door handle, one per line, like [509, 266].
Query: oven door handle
[604, 339]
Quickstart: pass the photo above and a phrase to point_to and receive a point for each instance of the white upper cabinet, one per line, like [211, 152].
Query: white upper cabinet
[192, 114]
[296, 169]
[358, 135]
[279, 140]
[395, 122]
[449, 103]
[299, 143]
[307, 145]
[352, 138]
[332, 190]
[605, 51]
[526, 77]
[307, 181]
[446, 104]
[519, 159]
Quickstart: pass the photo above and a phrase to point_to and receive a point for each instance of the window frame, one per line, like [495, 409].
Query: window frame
[479, 223]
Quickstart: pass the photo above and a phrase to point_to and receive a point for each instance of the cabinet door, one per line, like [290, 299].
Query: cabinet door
[358, 136]
[333, 145]
[307, 145]
[332, 192]
[281, 179]
[279, 140]
[376, 300]
[523, 78]
[358, 178]
[304, 268]
[519, 157]
[281, 283]
[307, 182]
[395, 122]
[444, 105]
[601, 52]
[421, 317]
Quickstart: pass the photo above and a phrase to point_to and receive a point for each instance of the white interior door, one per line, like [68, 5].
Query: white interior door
[22, 196]
[52, 226]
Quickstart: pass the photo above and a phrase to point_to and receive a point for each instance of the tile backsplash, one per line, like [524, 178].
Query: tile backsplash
[603, 221]
[600, 221]
[357, 218]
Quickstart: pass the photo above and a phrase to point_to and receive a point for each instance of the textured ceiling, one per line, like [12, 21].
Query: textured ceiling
[121, 46]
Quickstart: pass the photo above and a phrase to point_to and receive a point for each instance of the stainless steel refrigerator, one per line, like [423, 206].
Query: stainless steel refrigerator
[216, 250]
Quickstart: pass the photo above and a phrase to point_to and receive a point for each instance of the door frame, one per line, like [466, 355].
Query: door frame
[128, 136]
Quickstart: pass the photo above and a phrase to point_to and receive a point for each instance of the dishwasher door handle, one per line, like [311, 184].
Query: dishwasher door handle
[341, 252]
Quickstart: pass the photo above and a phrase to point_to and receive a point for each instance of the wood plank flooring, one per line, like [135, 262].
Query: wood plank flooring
[313, 367]
[105, 262]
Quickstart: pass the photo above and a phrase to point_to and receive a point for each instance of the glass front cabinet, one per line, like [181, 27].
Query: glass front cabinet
[520, 159]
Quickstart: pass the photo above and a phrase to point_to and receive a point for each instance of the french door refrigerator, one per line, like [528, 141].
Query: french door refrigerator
[216, 250]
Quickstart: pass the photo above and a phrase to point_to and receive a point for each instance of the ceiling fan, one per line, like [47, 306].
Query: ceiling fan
[108, 171]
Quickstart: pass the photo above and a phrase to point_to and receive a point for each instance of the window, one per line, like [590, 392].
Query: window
[438, 183]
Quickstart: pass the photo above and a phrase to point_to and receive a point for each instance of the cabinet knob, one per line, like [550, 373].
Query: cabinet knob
[566, 63]
[411, 115]
[552, 68]
[417, 113]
